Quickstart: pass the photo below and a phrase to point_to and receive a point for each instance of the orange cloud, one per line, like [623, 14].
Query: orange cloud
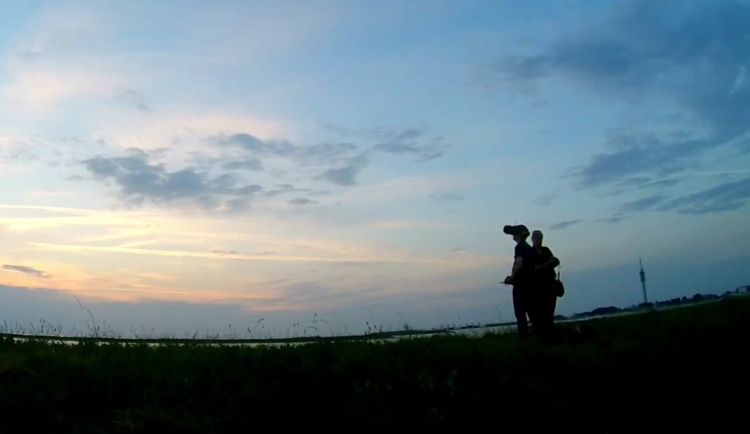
[137, 255]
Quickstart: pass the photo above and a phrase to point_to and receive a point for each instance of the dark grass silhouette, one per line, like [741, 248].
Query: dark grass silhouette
[677, 367]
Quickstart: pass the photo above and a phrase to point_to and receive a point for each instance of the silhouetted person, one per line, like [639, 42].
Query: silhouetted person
[521, 277]
[545, 294]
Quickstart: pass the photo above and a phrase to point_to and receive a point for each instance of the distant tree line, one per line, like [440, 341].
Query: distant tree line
[609, 310]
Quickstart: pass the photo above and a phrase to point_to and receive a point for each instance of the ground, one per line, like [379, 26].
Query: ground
[678, 366]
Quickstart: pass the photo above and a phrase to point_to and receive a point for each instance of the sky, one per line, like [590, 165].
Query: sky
[251, 168]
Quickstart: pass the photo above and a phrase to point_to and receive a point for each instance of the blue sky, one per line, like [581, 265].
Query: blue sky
[183, 166]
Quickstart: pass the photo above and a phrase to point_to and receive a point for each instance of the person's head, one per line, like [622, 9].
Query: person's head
[519, 232]
[537, 238]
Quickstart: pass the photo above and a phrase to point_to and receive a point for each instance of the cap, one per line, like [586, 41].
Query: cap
[515, 230]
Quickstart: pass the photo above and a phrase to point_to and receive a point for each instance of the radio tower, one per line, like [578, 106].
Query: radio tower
[643, 282]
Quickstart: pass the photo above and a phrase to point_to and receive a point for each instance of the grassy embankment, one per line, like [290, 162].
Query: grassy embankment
[678, 365]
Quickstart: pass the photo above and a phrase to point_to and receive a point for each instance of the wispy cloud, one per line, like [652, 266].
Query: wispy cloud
[338, 163]
[613, 219]
[299, 201]
[237, 257]
[565, 224]
[134, 99]
[31, 271]
[545, 200]
[413, 186]
[646, 48]
[446, 197]
[724, 197]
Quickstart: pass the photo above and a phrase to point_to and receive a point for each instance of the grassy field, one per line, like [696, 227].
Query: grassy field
[677, 366]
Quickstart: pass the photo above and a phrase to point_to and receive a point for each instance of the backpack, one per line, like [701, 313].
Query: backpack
[557, 286]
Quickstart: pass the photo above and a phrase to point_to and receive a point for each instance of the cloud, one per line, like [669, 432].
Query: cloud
[289, 188]
[184, 132]
[224, 252]
[256, 147]
[253, 164]
[55, 59]
[24, 305]
[135, 99]
[613, 219]
[346, 175]
[27, 270]
[446, 197]
[301, 201]
[256, 257]
[34, 88]
[639, 154]
[139, 181]
[338, 163]
[728, 196]
[74, 39]
[307, 292]
[406, 142]
[643, 204]
[546, 200]
[344, 131]
[179, 236]
[565, 224]
[692, 52]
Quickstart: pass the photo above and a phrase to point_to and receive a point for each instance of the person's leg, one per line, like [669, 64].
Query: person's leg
[532, 307]
[549, 305]
[520, 309]
[542, 311]
[552, 307]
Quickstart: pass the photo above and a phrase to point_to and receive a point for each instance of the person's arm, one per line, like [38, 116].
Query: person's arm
[551, 263]
[517, 264]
